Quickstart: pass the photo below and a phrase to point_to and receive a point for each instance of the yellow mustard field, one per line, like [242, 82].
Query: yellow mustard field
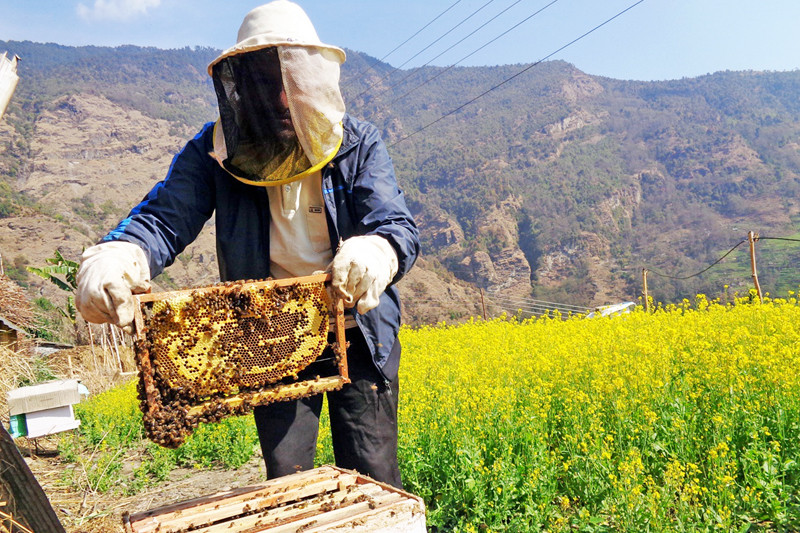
[685, 419]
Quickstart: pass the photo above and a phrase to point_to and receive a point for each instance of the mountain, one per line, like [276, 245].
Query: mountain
[556, 185]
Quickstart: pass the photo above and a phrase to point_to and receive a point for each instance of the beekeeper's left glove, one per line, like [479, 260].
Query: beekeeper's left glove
[109, 275]
[362, 269]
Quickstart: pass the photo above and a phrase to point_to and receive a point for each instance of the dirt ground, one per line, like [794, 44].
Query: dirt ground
[87, 511]
[93, 512]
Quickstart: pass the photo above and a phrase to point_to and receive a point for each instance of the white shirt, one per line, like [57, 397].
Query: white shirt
[299, 243]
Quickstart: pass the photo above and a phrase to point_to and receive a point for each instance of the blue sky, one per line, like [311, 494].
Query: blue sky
[657, 39]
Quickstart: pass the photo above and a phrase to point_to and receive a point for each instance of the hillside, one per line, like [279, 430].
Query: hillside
[558, 185]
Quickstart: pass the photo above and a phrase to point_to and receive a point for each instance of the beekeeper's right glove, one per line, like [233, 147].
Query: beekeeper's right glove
[109, 275]
[362, 269]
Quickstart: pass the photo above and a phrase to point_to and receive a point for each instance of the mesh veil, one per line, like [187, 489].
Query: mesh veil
[264, 137]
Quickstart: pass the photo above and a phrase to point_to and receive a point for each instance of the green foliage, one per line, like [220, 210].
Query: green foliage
[165, 280]
[18, 270]
[111, 431]
[61, 266]
[166, 84]
[39, 372]
[84, 208]
[8, 205]
[112, 418]
[47, 324]
[229, 443]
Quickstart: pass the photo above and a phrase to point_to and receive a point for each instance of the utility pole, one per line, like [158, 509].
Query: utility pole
[646, 297]
[753, 237]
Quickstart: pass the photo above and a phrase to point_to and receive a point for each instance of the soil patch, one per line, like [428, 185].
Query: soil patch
[86, 511]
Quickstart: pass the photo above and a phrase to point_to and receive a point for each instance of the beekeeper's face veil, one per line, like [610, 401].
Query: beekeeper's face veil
[279, 101]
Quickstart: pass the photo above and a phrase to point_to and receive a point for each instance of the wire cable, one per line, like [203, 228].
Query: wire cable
[528, 301]
[462, 106]
[540, 310]
[404, 42]
[426, 48]
[476, 30]
[539, 304]
[536, 310]
[702, 271]
[776, 239]
[474, 51]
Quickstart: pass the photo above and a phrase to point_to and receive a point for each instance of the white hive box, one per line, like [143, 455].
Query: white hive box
[44, 409]
[319, 500]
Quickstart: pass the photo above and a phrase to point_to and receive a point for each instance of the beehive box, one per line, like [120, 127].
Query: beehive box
[324, 499]
[207, 353]
[44, 409]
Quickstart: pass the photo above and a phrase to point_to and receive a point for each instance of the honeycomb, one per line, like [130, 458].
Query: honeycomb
[208, 353]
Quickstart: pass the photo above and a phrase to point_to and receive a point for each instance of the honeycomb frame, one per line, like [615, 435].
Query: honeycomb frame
[210, 352]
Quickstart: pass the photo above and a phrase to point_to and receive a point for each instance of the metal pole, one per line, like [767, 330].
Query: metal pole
[753, 237]
[646, 297]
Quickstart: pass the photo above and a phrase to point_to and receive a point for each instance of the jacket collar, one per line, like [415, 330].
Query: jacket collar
[349, 137]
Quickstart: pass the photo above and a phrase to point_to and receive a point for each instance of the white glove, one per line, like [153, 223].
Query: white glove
[109, 275]
[362, 269]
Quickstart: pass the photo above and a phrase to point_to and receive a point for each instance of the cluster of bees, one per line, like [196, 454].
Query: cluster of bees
[200, 348]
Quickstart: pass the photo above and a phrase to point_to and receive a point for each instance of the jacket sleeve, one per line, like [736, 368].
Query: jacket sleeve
[380, 205]
[172, 214]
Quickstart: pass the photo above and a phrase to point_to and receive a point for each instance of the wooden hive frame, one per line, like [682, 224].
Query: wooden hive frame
[190, 414]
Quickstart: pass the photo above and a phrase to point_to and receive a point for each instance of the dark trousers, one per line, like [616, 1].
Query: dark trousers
[363, 419]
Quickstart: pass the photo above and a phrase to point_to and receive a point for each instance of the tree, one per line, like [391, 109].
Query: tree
[59, 266]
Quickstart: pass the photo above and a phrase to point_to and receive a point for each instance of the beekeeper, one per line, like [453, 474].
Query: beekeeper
[297, 186]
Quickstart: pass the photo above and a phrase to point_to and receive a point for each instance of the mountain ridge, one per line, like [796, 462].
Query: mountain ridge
[559, 185]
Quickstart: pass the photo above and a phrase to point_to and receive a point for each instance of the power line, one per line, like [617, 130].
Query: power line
[521, 304]
[456, 44]
[702, 271]
[427, 47]
[537, 309]
[531, 301]
[776, 239]
[404, 42]
[517, 74]
[416, 70]
[474, 51]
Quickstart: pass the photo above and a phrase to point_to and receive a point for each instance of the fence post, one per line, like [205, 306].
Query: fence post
[646, 297]
[483, 305]
[753, 237]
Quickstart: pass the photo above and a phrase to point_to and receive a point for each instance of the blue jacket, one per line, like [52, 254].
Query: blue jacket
[361, 198]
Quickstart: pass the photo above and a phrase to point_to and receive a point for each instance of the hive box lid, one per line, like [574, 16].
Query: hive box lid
[44, 396]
